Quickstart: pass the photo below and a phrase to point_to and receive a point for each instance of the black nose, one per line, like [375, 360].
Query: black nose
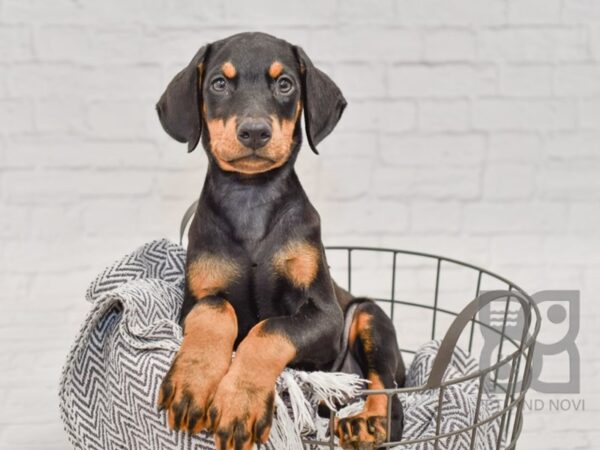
[254, 133]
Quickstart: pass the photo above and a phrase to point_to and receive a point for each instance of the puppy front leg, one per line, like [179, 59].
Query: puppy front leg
[210, 330]
[241, 412]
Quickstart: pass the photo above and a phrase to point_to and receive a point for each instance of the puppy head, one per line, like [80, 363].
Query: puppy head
[244, 96]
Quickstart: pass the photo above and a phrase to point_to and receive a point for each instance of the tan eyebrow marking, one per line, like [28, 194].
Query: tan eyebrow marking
[228, 70]
[275, 69]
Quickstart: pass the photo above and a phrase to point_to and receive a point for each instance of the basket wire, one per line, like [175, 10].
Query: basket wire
[518, 357]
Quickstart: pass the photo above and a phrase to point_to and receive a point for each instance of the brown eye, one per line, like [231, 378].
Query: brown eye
[219, 84]
[284, 85]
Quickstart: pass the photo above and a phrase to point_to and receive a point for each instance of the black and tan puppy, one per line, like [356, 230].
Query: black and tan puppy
[257, 281]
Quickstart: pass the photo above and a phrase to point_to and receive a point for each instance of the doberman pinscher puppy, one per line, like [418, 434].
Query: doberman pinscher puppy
[257, 280]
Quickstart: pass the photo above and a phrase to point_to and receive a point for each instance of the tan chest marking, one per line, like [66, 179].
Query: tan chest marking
[298, 261]
[209, 274]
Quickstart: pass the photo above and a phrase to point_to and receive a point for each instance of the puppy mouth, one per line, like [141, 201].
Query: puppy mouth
[252, 157]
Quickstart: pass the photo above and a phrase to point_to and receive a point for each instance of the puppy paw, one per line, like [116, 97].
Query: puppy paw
[241, 413]
[187, 388]
[361, 432]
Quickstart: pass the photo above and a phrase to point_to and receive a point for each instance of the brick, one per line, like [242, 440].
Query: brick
[16, 116]
[450, 115]
[540, 44]
[360, 80]
[14, 221]
[473, 249]
[173, 46]
[162, 216]
[522, 266]
[589, 112]
[308, 168]
[433, 150]
[51, 222]
[509, 181]
[281, 13]
[56, 79]
[111, 217]
[4, 92]
[577, 80]
[348, 144]
[26, 436]
[63, 185]
[564, 180]
[177, 184]
[584, 217]
[462, 12]
[67, 296]
[118, 119]
[119, 45]
[519, 250]
[127, 82]
[581, 11]
[396, 116]
[341, 183]
[173, 155]
[449, 45]
[61, 43]
[365, 44]
[79, 153]
[402, 183]
[104, 12]
[441, 81]
[534, 12]
[354, 11]
[509, 114]
[15, 43]
[378, 216]
[594, 31]
[442, 217]
[515, 217]
[185, 13]
[573, 146]
[514, 147]
[379, 115]
[572, 249]
[59, 256]
[20, 399]
[61, 115]
[13, 286]
[527, 80]
[40, 11]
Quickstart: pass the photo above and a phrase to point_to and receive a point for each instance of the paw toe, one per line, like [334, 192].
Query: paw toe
[361, 433]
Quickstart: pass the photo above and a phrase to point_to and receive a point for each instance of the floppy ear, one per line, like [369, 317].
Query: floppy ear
[179, 108]
[323, 101]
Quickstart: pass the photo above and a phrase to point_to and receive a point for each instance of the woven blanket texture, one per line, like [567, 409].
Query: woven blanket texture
[111, 378]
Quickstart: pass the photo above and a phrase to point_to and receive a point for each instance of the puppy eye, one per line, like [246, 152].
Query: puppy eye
[219, 84]
[284, 85]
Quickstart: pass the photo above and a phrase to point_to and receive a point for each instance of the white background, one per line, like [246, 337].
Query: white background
[473, 131]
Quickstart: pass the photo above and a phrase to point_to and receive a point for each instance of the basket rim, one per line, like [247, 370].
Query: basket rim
[522, 347]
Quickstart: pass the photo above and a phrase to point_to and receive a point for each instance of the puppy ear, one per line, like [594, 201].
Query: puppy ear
[323, 101]
[179, 108]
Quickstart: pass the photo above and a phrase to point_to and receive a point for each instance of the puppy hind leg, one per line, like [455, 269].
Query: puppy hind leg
[372, 342]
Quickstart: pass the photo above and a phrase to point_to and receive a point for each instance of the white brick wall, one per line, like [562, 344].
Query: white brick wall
[473, 130]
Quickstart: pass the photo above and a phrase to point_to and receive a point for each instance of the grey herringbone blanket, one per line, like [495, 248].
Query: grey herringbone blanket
[110, 381]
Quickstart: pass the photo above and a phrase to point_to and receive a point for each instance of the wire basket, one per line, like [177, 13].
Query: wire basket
[425, 294]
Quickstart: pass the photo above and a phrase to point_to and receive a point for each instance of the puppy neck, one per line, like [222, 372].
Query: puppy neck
[251, 190]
